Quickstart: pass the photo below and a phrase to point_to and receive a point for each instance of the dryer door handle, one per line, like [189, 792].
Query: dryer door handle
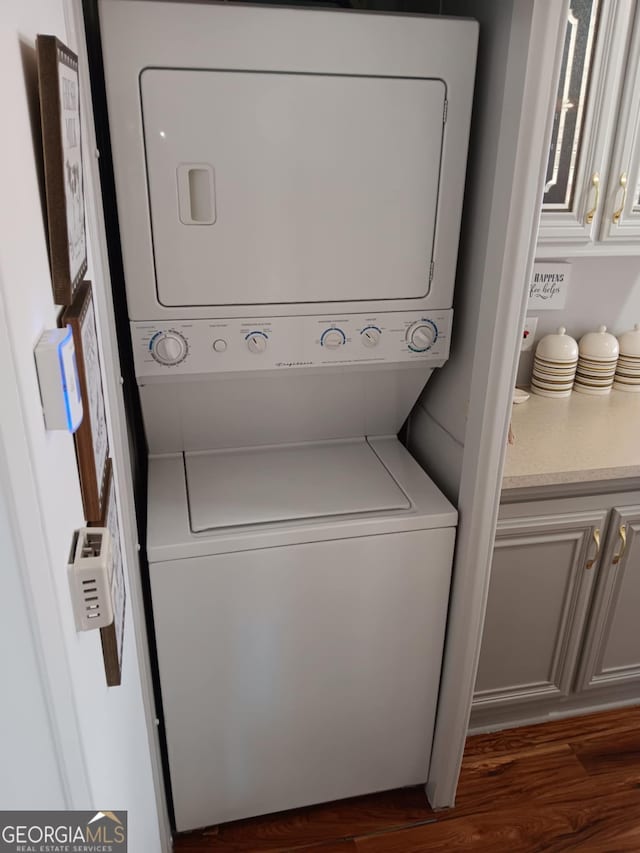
[196, 194]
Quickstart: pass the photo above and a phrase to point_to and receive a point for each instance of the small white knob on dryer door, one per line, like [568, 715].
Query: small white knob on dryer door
[169, 347]
[422, 336]
[257, 342]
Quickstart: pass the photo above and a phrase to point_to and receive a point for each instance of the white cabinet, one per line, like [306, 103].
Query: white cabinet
[612, 654]
[541, 580]
[561, 628]
[595, 153]
[621, 211]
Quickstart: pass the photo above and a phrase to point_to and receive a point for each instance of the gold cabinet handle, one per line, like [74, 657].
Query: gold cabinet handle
[595, 183]
[622, 533]
[596, 539]
[618, 213]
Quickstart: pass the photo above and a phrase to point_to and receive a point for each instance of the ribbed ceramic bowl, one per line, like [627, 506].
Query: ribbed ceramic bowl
[543, 391]
[555, 374]
[596, 374]
[553, 379]
[554, 362]
[627, 376]
[586, 385]
[623, 385]
[597, 363]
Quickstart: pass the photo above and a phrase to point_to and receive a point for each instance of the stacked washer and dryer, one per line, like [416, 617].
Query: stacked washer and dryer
[289, 186]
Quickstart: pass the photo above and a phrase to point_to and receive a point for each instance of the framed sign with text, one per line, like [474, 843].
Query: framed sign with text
[112, 636]
[60, 120]
[549, 286]
[92, 443]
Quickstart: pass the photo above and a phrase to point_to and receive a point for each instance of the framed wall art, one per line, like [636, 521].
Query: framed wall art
[549, 285]
[92, 442]
[112, 637]
[60, 120]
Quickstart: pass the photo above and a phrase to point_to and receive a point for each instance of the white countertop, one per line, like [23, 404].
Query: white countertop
[574, 439]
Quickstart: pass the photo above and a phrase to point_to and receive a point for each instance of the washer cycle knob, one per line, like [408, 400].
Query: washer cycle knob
[422, 336]
[169, 347]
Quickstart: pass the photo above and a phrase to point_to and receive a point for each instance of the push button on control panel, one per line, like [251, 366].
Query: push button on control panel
[220, 345]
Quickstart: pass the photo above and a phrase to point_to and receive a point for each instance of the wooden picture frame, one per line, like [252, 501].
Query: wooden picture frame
[92, 442]
[60, 120]
[112, 637]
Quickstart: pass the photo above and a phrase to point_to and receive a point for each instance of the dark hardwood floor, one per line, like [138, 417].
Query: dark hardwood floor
[565, 785]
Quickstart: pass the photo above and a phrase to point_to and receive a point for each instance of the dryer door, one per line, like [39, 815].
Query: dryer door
[276, 188]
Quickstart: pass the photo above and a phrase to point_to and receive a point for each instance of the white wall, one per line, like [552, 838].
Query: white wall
[108, 766]
[29, 756]
[603, 291]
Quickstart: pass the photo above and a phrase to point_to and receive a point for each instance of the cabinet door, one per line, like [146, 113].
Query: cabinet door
[584, 119]
[541, 579]
[612, 653]
[621, 219]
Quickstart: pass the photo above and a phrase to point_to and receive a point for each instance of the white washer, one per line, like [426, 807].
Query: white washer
[299, 598]
[290, 187]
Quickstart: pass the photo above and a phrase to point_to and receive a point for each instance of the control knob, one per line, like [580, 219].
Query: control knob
[422, 335]
[256, 342]
[371, 336]
[169, 347]
[333, 338]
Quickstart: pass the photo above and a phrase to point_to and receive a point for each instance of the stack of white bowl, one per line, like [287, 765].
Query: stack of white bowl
[627, 376]
[554, 365]
[597, 362]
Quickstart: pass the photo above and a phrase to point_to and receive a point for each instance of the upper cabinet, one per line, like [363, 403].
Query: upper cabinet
[621, 216]
[591, 201]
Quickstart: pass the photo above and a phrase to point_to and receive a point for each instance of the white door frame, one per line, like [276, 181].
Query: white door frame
[504, 279]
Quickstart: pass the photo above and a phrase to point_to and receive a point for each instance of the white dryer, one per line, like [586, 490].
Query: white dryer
[289, 188]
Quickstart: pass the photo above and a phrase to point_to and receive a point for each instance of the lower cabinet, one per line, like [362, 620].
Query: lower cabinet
[612, 648]
[562, 628]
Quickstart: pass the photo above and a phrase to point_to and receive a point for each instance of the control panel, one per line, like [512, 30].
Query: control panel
[279, 343]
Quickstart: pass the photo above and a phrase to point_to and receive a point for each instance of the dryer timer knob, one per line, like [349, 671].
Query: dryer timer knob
[169, 348]
[422, 336]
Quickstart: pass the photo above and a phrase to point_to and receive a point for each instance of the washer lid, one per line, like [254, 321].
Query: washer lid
[227, 488]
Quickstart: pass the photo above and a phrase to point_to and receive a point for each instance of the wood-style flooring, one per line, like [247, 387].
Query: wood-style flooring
[565, 785]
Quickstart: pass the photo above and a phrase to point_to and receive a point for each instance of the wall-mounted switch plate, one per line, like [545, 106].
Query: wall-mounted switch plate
[529, 333]
[58, 378]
